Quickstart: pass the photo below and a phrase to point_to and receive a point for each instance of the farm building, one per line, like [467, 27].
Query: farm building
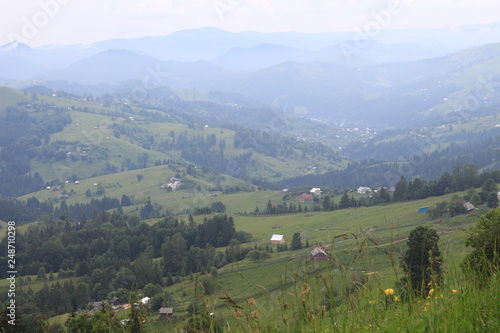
[305, 197]
[167, 313]
[470, 207]
[319, 254]
[277, 239]
[315, 191]
[364, 190]
[115, 301]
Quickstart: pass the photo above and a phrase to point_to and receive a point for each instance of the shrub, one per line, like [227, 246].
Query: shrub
[484, 239]
[421, 261]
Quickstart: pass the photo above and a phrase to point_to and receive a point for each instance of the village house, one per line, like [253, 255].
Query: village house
[305, 197]
[364, 190]
[277, 239]
[167, 313]
[174, 185]
[315, 191]
[319, 254]
[115, 301]
[470, 207]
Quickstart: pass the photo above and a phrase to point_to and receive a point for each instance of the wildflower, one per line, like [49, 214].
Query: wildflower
[453, 291]
[389, 292]
[255, 314]
[396, 298]
[306, 290]
[424, 308]
[238, 314]
[431, 292]
[427, 303]
[251, 301]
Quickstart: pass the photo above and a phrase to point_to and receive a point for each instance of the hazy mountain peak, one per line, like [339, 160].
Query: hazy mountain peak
[15, 45]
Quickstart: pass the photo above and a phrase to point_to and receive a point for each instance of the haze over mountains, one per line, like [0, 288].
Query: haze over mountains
[404, 77]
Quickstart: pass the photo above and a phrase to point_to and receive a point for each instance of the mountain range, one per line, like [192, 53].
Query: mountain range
[389, 82]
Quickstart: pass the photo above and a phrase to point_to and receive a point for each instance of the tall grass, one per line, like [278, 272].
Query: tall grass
[333, 297]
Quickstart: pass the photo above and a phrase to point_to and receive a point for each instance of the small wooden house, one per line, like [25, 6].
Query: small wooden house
[319, 254]
[167, 313]
[468, 206]
[277, 239]
[115, 301]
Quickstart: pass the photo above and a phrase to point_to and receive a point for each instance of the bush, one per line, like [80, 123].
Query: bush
[152, 289]
[422, 261]
[257, 255]
[484, 239]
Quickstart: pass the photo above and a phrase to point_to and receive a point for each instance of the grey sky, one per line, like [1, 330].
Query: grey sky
[39, 22]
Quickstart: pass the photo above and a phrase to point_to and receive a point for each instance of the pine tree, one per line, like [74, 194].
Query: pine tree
[296, 243]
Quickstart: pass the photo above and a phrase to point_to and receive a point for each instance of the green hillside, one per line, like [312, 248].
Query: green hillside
[364, 246]
[109, 139]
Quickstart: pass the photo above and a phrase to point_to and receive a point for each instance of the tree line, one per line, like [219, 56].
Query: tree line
[22, 136]
[110, 253]
[376, 172]
[464, 177]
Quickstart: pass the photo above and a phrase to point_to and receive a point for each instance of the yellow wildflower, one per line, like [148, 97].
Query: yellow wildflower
[453, 291]
[389, 292]
[431, 292]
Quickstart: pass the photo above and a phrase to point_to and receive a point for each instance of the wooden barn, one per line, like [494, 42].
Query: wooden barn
[319, 254]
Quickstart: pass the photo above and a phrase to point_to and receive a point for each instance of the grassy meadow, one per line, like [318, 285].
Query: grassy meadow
[290, 293]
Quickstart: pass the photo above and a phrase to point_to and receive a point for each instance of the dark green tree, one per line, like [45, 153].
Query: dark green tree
[327, 203]
[345, 202]
[136, 315]
[492, 200]
[218, 207]
[421, 262]
[400, 190]
[41, 275]
[484, 239]
[456, 207]
[296, 243]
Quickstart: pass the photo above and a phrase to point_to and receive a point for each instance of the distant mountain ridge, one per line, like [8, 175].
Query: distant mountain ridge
[300, 74]
[399, 93]
[210, 43]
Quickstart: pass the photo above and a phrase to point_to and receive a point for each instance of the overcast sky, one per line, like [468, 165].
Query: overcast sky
[39, 22]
